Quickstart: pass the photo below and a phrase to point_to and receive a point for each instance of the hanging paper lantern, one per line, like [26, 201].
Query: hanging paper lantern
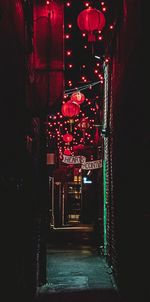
[91, 20]
[67, 152]
[83, 124]
[67, 138]
[78, 97]
[70, 109]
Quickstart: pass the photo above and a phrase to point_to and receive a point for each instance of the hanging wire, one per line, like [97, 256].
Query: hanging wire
[70, 91]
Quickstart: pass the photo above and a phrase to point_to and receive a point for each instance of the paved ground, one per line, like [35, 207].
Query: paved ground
[80, 268]
[76, 271]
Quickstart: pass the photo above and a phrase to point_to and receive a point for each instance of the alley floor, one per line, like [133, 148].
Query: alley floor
[76, 271]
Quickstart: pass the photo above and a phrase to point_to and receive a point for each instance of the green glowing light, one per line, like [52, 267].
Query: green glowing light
[104, 207]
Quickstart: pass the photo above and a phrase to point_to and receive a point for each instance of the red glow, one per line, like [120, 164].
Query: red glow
[70, 109]
[67, 138]
[85, 46]
[87, 4]
[78, 97]
[83, 34]
[106, 60]
[47, 2]
[83, 124]
[91, 20]
[68, 4]
[70, 25]
[104, 9]
[70, 65]
[83, 66]
[100, 38]
[67, 36]
[67, 152]
[68, 52]
[111, 27]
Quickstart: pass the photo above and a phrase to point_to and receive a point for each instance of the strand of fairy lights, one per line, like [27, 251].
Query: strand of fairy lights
[70, 91]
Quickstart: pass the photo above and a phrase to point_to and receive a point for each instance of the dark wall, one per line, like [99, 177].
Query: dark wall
[46, 67]
[16, 173]
[28, 91]
[12, 73]
[131, 149]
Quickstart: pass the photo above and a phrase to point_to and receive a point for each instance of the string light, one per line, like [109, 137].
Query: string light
[68, 52]
[79, 77]
[67, 36]
[80, 88]
[104, 9]
[68, 4]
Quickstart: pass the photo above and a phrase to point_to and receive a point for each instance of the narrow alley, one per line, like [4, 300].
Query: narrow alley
[75, 150]
[76, 269]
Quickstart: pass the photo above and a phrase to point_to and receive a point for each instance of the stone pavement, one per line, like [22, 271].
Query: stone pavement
[77, 272]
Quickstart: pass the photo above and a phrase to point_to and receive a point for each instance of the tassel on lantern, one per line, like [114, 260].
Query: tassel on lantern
[71, 122]
[91, 37]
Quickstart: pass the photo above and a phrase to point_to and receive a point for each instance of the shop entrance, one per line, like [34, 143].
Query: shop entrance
[77, 203]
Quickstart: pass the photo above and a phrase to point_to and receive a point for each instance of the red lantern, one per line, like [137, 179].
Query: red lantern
[70, 109]
[78, 97]
[67, 152]
[91, 20]
[83, 124]
[67, 138]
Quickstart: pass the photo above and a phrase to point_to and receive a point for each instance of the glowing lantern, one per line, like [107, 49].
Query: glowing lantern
[78, 97]
[67, 152]
[83, 124]
[67, 138]
[70, 109]
[91, 20]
